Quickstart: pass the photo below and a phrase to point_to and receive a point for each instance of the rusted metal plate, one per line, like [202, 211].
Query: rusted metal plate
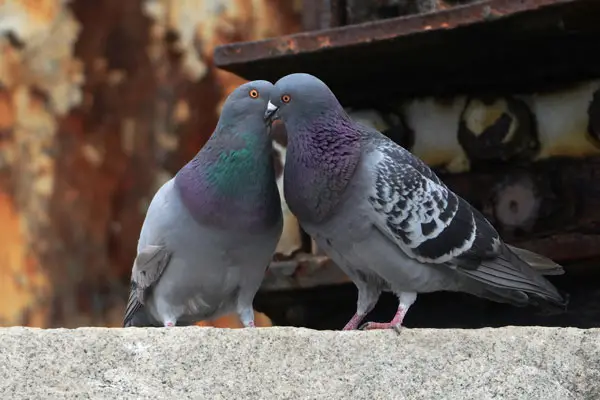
[373, 32]
[487, 44]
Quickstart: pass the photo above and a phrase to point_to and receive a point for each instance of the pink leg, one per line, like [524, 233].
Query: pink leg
[367, 298]
[395, 323]
[406, 300]
[169, 324]
[246, 314]
[354, 321]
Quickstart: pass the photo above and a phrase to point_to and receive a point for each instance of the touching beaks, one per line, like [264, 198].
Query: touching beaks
[271, 112]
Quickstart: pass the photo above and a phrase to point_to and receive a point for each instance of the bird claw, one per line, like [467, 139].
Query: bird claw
[378, 325]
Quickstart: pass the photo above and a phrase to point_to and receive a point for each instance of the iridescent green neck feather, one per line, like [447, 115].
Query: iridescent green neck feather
[231, 181]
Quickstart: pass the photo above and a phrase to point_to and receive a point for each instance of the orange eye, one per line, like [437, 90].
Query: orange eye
[286, 98]
[254, 93]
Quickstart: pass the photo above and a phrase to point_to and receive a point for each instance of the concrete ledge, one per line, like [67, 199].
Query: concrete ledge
[291, 363]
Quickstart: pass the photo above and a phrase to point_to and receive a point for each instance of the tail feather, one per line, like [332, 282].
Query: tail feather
[509, 273]
[139, 318]
[543, 265]
[135, 313]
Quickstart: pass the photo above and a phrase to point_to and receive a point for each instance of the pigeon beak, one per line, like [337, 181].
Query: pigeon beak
[271, 112]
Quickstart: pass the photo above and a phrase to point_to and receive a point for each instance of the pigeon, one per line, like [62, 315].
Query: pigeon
[385, 218]
[210, 231]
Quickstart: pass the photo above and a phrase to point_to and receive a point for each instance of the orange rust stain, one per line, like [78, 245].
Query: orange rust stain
[324, 41]
[7, 111]
[22, 283]
[233, 321]
[288, 45]
[40, 10]
[292, 45]
[98, 231]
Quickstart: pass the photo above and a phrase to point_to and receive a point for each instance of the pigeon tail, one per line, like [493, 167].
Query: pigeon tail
[541, 264]
[139, 318]
[512, 280]
[547, 267]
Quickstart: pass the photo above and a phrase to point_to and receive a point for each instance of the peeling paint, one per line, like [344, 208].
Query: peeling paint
[435, 124]
[481, 116]
[101, 103]
[182, 16]
[48, 31]
[24, 286]
[558, 119]
[92, 155]
[181, 113]
[41, 81]
[562, 120]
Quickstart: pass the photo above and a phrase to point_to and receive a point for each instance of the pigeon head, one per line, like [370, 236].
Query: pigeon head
[323, 144]
[298, 97]
[245, 105]
[232, 178]
[240, 142]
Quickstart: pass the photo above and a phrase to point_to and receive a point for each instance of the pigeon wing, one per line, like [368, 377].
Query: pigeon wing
[148, 267]
[433, 225]
[428, 221]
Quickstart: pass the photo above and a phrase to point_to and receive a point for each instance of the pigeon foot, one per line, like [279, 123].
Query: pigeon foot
[395, 323]
[353, 323]
[246, 314]
[382, 325]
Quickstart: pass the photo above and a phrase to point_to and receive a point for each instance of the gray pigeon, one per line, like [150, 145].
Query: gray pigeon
[386, 219]
[210, 231]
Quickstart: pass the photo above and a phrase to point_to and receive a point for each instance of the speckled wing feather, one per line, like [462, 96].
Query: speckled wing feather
[433, 225]
[148, 267]
[429, 222]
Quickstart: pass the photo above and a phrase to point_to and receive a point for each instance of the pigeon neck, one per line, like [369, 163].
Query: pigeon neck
[231, 182]
[320, 161]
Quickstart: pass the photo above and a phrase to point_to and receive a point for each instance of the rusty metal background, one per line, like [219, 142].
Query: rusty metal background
[483, 45]
[100, 103]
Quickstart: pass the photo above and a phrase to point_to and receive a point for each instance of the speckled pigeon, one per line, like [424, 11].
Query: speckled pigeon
[386, 219]
[210, 231]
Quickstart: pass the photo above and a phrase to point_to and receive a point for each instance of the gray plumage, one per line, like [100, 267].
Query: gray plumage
[386, 219]
[210, 232]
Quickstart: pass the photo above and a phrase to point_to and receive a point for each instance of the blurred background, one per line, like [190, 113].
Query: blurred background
[100, 103]
[103, 101]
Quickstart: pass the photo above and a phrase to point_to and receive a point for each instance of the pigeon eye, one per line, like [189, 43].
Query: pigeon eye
[254, 93]
[286, 98]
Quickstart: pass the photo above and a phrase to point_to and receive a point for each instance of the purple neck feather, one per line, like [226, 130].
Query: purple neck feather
[321, 158]
[231, 184]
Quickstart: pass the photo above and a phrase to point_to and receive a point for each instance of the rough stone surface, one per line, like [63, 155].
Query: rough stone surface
[295, 363]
